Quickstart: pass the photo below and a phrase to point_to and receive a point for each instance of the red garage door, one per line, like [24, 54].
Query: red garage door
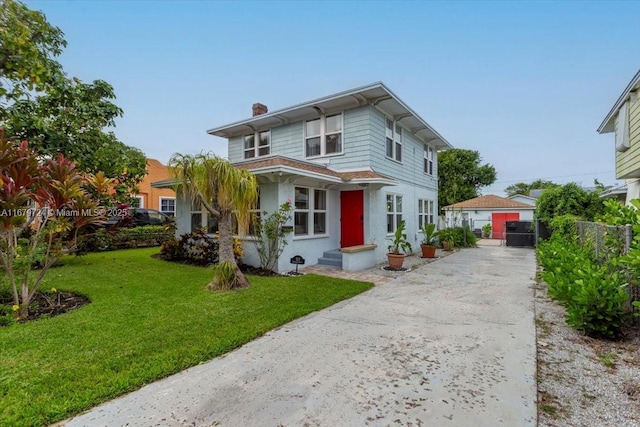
[498, 220]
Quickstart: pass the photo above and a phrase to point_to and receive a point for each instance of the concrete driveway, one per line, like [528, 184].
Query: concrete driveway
[449, 344]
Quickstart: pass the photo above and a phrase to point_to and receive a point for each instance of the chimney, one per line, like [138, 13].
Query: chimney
[259, 109]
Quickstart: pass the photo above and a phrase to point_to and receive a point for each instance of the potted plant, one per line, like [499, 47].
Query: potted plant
[399, 243]
[486, 231]
[428, 243]
[447, 238]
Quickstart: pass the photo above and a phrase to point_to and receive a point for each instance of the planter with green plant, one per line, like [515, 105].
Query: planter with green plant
[398, 247]
[447, 237]
[486, 231]
[428, 244]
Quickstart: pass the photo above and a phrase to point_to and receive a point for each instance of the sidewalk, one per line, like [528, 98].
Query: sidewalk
[448, 344]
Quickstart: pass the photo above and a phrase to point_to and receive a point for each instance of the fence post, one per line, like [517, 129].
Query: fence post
[628, 237]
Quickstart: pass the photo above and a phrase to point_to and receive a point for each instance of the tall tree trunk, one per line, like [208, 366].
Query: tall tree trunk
[225, 249]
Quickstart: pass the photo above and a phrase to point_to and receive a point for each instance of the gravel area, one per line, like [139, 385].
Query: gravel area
[584, 381]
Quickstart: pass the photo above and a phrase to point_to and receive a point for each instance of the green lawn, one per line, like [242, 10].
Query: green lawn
[148, 318]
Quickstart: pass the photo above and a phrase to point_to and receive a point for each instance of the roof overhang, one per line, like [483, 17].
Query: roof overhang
[279, 167]
[608, 124]
[376, 94]
[166, 183]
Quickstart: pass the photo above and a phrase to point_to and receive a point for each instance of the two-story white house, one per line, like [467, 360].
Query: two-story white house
[353, 164]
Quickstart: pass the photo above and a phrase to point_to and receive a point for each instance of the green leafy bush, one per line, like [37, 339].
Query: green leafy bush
[103, 239]
[594, 297]
[462, 237]
[568, 199]
[597, 303]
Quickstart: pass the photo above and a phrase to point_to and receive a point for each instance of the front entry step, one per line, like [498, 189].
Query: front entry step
[332, 258]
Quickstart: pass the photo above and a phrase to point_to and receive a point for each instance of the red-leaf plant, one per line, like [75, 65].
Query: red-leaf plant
[43, 205]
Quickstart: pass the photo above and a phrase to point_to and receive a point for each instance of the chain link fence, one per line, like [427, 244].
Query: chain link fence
[606, 242]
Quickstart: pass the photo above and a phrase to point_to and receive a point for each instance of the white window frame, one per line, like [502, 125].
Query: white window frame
[161, 199]
[204, 218]
[426, 213]
[323, 135]
[140, 201]
[394, 212]
[311, 212]
[393, 136]
[255, 150]
[429, 155]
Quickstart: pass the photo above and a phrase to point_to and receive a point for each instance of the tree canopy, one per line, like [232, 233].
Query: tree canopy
[461, 176]
[56, 113]
[568, 199]
[525, 188]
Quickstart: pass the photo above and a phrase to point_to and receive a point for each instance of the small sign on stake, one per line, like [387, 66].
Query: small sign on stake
[297, 260]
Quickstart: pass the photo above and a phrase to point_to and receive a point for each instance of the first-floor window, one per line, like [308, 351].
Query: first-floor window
[425, 212]
[137, 202]
[200, 218]
[310, 214]
[168, 205]
[394, 212]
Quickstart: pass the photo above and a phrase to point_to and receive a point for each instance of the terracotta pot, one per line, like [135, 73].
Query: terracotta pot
[396, 261]
[428, 251]
[447, 246]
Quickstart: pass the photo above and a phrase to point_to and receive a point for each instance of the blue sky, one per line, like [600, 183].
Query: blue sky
[524, 83]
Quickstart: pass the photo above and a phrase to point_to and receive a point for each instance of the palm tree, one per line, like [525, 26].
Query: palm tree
[225, 192]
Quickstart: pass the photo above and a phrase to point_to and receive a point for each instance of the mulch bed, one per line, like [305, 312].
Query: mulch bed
[47, 304]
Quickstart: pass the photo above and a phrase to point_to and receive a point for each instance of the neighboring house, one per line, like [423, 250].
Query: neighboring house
[624, 121]
[618, 193]
[151, 197]
[529, 200]
[490, 209]
[353, 164]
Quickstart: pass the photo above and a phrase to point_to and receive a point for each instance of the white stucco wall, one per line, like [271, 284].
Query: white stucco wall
[482, 217]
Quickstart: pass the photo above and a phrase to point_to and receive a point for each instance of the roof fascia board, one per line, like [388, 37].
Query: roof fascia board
[621, 100]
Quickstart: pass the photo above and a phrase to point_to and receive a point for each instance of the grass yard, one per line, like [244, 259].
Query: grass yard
[148, 319]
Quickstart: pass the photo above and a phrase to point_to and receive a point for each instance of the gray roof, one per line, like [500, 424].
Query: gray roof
[376, 94]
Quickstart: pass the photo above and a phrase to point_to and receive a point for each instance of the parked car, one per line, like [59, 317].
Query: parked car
[136, 217]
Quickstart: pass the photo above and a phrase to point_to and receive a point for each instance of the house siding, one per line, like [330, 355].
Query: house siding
[628, 162]
[411, 169]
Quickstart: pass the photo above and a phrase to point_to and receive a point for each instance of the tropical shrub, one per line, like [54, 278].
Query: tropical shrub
[38, 236]
[462, 237]
[270, 235]
[197, 248]
[594, 296]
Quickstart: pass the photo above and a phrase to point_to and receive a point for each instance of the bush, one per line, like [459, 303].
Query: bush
[568, 199]
[104, 239]
[462, 237]
[594, 297]
[197, 248]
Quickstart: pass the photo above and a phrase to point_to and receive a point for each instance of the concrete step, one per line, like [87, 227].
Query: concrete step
[334, 254]
[330, 262]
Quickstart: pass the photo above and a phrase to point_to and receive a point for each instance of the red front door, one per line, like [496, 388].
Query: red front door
[498, 220]
[351, 218]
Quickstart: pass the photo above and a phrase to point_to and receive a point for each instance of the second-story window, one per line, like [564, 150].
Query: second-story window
[393, 134]
[323, 136]
[257, 144]
[428, 160]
